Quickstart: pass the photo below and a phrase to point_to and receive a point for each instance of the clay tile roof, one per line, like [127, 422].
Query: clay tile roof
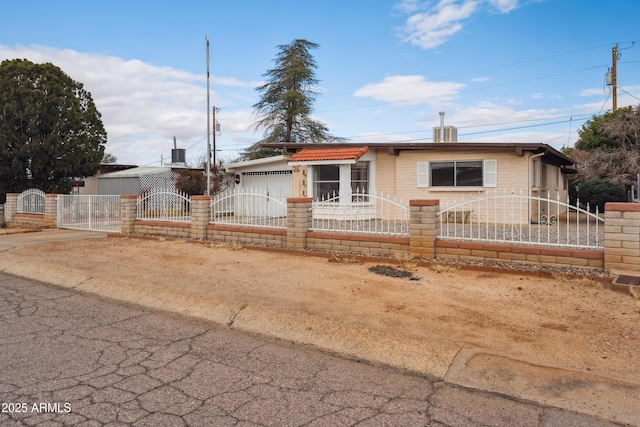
[312, 155]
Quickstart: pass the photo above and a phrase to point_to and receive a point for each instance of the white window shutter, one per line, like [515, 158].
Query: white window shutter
[423, 174]
[490, 173]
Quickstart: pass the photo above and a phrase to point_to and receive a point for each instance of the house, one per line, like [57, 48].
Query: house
[86, 186]
[446, 171]
[138, 179]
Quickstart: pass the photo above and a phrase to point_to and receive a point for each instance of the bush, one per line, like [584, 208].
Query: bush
[596, 192]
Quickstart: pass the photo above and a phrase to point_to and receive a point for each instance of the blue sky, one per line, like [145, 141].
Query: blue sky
[502, 70]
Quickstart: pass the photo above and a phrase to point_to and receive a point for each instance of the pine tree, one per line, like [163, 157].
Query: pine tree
[287, 98]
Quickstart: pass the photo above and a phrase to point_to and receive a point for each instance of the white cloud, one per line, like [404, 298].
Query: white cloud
[410, 90]
[437, 24]
[480, 79]
[143, 106]
[592, 92]
[504, 6]
[407, 6]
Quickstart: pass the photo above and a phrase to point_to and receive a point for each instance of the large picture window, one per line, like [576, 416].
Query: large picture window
[470, 173]
[456, 174]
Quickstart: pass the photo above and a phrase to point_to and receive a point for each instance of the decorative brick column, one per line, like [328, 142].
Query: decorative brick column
[127, 212]
[622, 237]
[11, 208]
[50, 211]
[298, 221]
[423, 227]
[200, 215]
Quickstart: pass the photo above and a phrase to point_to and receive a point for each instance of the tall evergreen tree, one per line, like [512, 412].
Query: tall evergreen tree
[287, 98]
[50, 128]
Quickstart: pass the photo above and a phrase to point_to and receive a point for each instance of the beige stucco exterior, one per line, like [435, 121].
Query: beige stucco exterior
[396, 176]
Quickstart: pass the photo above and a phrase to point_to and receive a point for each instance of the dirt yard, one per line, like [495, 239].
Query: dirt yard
[573, 324]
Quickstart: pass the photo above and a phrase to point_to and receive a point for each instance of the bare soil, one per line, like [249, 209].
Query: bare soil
[559, 322]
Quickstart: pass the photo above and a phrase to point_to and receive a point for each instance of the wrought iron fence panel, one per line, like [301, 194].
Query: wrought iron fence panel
[96, 212]
[251, 208]
[360, 213]
[517, 217]
[31, 201]
[164, 204]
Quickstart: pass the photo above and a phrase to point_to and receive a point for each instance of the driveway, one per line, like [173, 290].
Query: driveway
[10, 239]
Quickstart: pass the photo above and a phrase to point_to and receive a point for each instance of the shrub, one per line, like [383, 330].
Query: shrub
[598, 191]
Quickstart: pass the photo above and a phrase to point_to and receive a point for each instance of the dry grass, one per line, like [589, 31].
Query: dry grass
[635, 292]
[442, 268]
[234, 246]
[407, 262]
[344, 259]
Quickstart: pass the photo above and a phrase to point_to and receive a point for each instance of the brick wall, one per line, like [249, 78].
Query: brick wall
[28, 220]
[162, 228]
[247, 235]
[622, 237]
[355, 243]
[46, 220]
[478, 251]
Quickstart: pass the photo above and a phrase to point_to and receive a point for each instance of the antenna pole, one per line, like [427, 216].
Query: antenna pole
[208, 128]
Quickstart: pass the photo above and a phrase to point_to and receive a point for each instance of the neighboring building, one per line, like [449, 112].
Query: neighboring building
[89, 185]
[444, 171]
[138, 179]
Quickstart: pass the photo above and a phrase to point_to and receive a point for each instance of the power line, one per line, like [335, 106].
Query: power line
[556, 121]
[633, 96]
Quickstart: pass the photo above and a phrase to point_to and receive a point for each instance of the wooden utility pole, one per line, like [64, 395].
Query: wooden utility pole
[208, 127]
[614, 77]
[215, 129]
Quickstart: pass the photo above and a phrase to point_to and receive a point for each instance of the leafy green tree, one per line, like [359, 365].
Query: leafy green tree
[286, 100]
[619, 130]
[50, 129]
[609, 147]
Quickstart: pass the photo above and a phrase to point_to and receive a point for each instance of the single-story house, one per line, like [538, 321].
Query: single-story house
[138, 179]
[88, 186]
[446, 171]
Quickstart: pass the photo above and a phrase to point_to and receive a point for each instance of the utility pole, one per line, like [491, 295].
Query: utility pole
[216, 129]
[208, 128]
[613, 80]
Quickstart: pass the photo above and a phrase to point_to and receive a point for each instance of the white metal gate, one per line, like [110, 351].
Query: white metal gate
[95, 213]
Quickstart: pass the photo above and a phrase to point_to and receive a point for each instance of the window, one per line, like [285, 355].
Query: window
[456, 174]
[326, 181]
[474, 173]
[348, 180]
[360, 181]
[538, 174]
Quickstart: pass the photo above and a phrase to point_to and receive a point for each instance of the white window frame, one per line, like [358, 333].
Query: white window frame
[345, 190]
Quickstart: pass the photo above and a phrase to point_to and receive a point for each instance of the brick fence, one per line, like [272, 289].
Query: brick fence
[45, 220]
[621, 252]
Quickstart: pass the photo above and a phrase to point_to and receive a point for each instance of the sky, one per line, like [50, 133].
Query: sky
[501, 70]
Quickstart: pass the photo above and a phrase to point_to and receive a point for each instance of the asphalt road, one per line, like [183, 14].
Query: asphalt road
[68, 358]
